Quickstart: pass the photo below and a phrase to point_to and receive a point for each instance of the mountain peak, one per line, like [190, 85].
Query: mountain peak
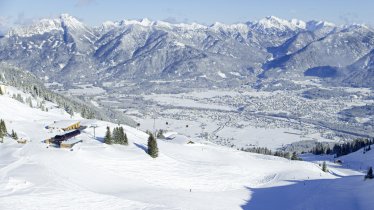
[47, 25]
[278, 23]
[315, 25]
[70, 21]
[142, 22]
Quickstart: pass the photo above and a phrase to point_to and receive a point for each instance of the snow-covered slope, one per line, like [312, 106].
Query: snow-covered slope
[185, 176]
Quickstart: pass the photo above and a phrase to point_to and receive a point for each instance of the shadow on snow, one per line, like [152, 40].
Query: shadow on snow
[323, 194]
[141, 146]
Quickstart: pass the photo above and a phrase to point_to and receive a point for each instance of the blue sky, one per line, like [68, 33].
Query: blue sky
[93, 12]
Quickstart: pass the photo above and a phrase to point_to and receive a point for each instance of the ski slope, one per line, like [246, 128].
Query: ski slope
[184, 176]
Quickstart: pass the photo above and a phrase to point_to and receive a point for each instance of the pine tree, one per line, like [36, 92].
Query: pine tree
[14, 135]
[294, 156]
[152, 146]
[122, 137]
[160, 133]
[126, 141]
[1, 92]
[3, 127]
[115, 136]
[119, 136]
[108, 136]
[369, 174]
[19, 98]
[29, 101]
[324, 166]
[2, 133]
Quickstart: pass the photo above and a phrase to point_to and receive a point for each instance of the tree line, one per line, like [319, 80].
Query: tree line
[343, 148]
[266, 151]
[118, 136]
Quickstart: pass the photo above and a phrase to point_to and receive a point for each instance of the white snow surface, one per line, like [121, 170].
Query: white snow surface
[184, 176]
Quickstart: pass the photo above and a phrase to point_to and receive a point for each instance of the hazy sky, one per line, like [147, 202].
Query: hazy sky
[94, 12]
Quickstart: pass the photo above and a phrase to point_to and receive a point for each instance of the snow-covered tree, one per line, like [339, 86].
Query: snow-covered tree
[29, 101]
[152, 146]
[160, 133]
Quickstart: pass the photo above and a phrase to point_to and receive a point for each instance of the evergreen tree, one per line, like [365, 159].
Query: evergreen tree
[3, 127]
[126, 141]
[115, 136]
[160, 133]
[14, 135]
[108, 136]
[1, 92]
[29, 101]
[287, 155]
[122, 136]
[294, 156]
[152, 146]
[324, 166]
[369, 174]
[19, 98]
[2, 133]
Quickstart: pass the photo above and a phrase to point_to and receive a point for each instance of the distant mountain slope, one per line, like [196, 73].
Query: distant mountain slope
[361, 73]
[27, 82]
[66, 50]
[338, 49]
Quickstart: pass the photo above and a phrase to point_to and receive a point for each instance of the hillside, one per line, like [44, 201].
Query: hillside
[29, 83]
[94, 175]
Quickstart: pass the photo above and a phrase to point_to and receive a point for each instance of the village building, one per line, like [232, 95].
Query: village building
[64, 125]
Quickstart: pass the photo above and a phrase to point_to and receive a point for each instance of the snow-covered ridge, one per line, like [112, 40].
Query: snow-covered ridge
[47, 25]
[271, 22]
[43, 26]
[107, 25]
[278, 23]
[315, 25]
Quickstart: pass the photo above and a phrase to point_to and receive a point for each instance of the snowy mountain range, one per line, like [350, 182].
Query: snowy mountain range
[66, 50]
